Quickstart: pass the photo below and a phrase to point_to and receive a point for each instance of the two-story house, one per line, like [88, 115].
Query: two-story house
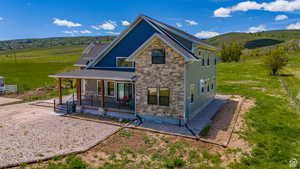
[151, 70]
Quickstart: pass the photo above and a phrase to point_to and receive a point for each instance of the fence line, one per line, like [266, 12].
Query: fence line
[290, 93]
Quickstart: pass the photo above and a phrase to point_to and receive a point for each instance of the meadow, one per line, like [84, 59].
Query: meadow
[273, 128]
[29, 69]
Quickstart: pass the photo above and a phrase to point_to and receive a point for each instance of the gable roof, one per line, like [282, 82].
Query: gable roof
[90, 53]
[168, 41]
[162, 29]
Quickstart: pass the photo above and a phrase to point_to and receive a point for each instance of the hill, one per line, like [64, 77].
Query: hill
[51, 42]
[256, 40]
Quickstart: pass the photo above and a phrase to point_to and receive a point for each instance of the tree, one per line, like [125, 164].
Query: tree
[231, 53]
[275, 60]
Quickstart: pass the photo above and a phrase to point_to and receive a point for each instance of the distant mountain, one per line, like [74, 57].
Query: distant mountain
[51, 42]
[256, 40]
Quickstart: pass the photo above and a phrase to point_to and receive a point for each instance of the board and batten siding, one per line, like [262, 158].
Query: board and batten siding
[194, 72]
[133, 40]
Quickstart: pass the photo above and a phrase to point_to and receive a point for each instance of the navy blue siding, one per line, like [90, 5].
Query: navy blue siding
[133, 40]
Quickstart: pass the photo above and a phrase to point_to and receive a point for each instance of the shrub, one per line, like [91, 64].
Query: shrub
[275, 60]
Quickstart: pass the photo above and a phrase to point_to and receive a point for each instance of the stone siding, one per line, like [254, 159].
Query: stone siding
[170, 75]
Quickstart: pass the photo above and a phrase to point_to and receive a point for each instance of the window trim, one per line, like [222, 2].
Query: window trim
[164, 51]
[123, 66]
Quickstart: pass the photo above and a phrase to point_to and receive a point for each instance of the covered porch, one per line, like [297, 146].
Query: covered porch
[101, 90]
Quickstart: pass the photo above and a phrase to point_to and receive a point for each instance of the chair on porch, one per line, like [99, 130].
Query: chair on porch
[124, 101]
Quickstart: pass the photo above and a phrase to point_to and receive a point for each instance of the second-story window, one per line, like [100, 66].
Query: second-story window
[123, 62]
[158, 56]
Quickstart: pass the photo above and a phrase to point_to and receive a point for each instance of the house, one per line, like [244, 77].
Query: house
[151, 70]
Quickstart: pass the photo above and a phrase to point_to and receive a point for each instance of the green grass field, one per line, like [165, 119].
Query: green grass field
[273, 125]
[30, 69]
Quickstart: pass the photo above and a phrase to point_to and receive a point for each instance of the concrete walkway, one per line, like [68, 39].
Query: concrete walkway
[5, 100]
[195, 125]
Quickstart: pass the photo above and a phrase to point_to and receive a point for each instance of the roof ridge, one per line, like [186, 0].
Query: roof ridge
[189, 37]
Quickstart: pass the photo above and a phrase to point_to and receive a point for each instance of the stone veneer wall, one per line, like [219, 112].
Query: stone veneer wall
[170, 75]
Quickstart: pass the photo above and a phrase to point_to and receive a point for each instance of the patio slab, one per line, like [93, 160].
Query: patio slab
[29, 133]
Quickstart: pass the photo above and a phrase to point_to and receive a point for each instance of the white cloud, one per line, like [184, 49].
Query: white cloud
[62, 22]
[85, 31]
[259, 28]
[1, 18]
[107, 25]
[274, 6]
[125, 23]
[191, 22]
[206, 34]
[294, 26]
[281, 17]
[178, 25]
[76, 32]
[113, 33]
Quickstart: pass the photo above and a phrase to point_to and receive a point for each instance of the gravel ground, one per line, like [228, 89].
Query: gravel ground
[4, 100]
[30, 132]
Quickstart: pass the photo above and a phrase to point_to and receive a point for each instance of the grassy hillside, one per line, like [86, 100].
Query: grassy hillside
[254, 40]
[30, 68]
[12, 45]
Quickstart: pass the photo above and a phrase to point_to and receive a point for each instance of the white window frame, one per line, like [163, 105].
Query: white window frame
[121, 66]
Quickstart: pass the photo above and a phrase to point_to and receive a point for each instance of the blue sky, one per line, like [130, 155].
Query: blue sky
[204, 18]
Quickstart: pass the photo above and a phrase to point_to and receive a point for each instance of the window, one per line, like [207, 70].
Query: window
[192, 93]
[152, 96]
[208, 88]
[164, 96]
[201, 86]
[215, 61]
[203, 61]
[212, 86]
[208, 61]
[158, 56]
[122, 62]
[110, 89]
[159, 96]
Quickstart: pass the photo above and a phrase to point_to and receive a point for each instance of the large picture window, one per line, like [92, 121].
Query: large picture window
[123, 62]
[164, 96]
[152, 95]
[158, 56]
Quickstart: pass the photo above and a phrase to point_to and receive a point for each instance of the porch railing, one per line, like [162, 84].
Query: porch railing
[109, 102]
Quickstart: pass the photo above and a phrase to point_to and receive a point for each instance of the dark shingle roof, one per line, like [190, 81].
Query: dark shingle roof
[181, 33]
[90, 53]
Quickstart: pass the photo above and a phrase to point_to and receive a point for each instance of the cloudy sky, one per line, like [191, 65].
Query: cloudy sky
[203, 18]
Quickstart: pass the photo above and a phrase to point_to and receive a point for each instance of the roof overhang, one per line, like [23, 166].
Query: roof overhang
[96, 74]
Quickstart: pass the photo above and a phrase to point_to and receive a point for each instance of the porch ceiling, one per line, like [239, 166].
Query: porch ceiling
[97, 74]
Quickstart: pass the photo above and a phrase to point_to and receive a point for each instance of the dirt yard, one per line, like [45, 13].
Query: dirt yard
[134, 148]
[29, 132]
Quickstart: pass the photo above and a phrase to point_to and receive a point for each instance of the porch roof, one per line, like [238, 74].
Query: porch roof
[97, 74]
